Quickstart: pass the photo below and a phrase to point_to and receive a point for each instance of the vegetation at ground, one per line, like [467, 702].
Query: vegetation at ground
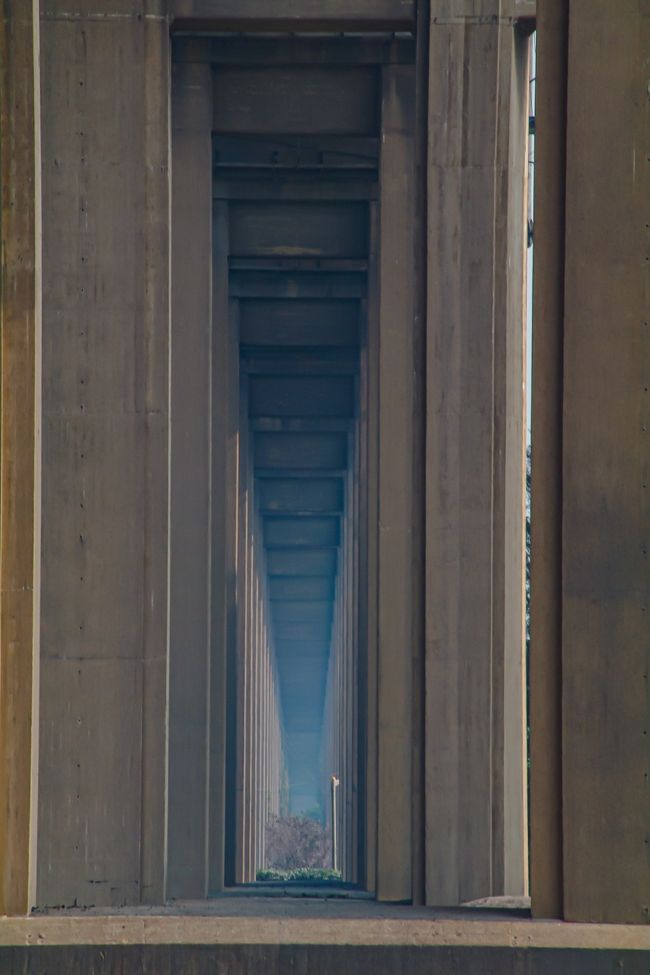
[305, 875]
[297, 842]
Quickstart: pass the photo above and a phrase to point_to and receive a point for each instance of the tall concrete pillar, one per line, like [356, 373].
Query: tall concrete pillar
[190, 554]
[395, 419]
[241, 661]
[474, 711]
[19, 419]
[546, 853]
[591, 774]
[103, 610]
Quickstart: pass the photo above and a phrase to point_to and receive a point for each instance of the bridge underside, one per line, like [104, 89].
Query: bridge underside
[116, 619]
[295, 168]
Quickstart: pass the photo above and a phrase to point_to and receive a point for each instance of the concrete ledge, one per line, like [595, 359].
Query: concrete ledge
[392, 931]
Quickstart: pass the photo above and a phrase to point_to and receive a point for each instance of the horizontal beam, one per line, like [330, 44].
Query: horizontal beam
[266, 229]
[299, 589]
[304, 497]
[281, 265]
[298, 473]
[299, 284]
[304, 631]
[316, 451]
[250, 184]
[301, 562]
[299, 323]
[255, 363]
[305, 15]
[298, 424]
[277, 152]
[301, 532]
[296, 99]
[301, 396]
[302, 666]
[302, 612]
[295, 50]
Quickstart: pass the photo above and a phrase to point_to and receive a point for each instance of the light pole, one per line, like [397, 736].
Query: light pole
[335, 785]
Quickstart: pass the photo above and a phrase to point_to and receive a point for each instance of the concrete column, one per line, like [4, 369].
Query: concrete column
[369, 403]
[190, 554]
[475, 732]
[243, 641]
[395, 430]
[20, 299]
[509, 782]
[591, 463]
[260, 733]
[254, 709]
[223, 477]
[606, 467]
[266, 744]
[355, 687]
[546, 548]
[256, 700]
[105, 390]
[249, 650]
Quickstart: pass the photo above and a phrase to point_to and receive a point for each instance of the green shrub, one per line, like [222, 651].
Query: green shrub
[304, 875]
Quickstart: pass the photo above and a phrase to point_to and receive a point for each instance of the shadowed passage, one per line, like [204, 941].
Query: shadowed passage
[294, 184]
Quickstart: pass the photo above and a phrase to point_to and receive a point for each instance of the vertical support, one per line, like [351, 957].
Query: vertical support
[241, 666]
[463, 60]
[20, 324]
[233, 530]
[156, 302]
[606, 467]
[369, 399]
[475, 460]
[357, 765]
[361, 474]
[255, 698]
[395, 565]
[247, 666]
[509, 775]
[225, 376]
[189, 684]
[545, 673]
[105, 457]
[419, 367]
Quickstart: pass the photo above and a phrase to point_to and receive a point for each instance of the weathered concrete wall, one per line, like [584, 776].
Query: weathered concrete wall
[319, 960]
[475, 726]
[590, 656]
[20, 324]
[606, 466]
[105, 84]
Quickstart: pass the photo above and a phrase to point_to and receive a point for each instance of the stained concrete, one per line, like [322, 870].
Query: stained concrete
[317, 924]
[321, 960]
[103, 619]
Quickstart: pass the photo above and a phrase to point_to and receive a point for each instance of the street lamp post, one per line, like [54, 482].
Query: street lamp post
[335, 785]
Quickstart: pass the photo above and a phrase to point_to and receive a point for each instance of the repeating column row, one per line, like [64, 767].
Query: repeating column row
[261, 768]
